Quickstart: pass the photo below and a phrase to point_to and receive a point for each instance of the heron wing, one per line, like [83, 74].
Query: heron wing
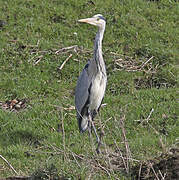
[82, 89]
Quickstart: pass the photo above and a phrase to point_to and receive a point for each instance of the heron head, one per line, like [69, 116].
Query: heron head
[96, 20]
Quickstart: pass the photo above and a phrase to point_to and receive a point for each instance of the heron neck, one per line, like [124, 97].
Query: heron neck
[98, 57]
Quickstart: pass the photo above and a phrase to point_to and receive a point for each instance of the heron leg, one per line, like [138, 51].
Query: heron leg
[89, 129]
[93, 126]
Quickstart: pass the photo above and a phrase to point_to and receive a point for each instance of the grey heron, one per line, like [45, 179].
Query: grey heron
[91, 84]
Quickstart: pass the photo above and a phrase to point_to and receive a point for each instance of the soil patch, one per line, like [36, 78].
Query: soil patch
[164, 167]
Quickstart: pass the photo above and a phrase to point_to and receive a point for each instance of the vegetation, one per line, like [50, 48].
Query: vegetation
[39, 135]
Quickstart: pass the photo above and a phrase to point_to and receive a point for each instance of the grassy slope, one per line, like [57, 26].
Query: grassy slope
[138, 29]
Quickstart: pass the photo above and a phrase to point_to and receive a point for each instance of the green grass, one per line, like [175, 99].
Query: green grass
[135, 31]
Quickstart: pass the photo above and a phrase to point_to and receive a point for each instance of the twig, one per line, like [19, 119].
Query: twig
[143, 64]
[75, 159]
[8, 164]
[163, 176]
[70, 108]
[154, 171]
[140, 171]
[121, 155]
[104, 169]
[147, 119]
[128, 153]
[131, 65]
[105, 123]
[38, 60]
[66, 48]
[98, 165]
[78, 156]
[32, 58]
[61, 67]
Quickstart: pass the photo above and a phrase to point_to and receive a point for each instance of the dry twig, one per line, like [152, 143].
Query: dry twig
[154, 171]
[39, 58]
[128, 153]
[145, 63]
[8, 164]
[61, 67]
[70, 108]
[131, 64]
[66, 48]
[104, 169]
[123, 159]
[140, 171]
[163, 176]
[147, 119]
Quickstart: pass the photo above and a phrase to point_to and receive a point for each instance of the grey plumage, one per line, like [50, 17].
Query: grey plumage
[92, 81]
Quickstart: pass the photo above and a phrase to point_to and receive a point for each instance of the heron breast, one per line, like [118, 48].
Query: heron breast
[97, 91]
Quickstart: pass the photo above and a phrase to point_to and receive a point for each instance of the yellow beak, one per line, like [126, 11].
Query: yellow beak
[89, 21]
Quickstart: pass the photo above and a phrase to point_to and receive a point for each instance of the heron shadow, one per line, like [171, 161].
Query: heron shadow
[20, 137]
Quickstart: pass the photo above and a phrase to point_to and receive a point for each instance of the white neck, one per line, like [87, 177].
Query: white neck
[98, 46]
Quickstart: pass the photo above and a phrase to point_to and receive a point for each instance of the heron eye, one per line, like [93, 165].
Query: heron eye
[98, 19]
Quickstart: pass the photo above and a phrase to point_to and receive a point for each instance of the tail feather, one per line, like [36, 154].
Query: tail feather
[83, 123]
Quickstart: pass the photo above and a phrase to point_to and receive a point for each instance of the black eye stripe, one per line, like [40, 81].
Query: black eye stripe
[101, 17]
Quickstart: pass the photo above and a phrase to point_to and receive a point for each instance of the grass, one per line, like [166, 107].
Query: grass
[42, 140]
